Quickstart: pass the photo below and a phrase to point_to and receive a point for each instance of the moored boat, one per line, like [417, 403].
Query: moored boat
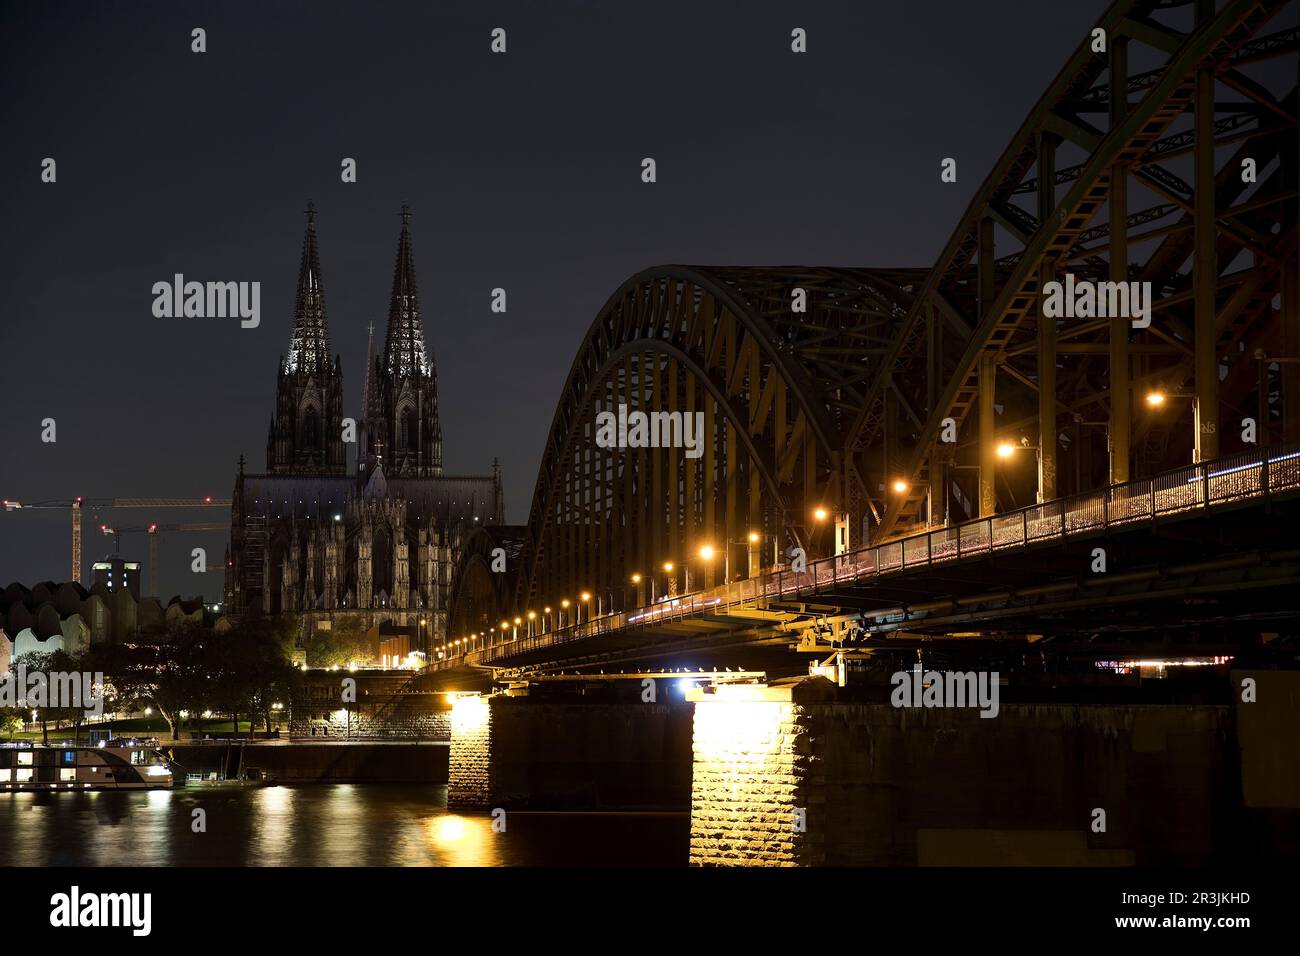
[114, 765]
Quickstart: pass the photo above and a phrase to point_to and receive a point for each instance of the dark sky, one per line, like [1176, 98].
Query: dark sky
[523, 171]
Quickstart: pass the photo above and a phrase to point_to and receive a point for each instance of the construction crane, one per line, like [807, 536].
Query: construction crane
[77, 504]
[154, 530]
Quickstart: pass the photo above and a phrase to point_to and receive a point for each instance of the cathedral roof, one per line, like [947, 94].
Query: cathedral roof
[445, 501]
[309, 348]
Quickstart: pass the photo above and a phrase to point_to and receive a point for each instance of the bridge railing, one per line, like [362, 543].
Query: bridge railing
[1224, 480]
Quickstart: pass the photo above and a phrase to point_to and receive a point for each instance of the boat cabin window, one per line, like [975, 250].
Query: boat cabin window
[24, 758]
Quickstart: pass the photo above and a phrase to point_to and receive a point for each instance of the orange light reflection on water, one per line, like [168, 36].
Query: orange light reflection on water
[462, 841]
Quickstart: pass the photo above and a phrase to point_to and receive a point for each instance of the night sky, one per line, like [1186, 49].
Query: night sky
[523, 171]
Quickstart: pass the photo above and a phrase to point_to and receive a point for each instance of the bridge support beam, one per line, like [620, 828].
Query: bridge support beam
[1205, 272]
[1047, 442]
[988, 434]
[1121, 426]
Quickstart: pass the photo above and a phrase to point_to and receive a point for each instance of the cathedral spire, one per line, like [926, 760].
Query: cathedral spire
[404, 353]
[371, 405]
[309, 349]
[305, 436]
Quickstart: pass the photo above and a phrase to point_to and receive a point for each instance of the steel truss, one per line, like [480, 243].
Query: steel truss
[1146, 186]
[777, 392]
[1128, 169]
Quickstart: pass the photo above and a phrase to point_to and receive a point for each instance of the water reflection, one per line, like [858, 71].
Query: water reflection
[324, 825]
[461, 841]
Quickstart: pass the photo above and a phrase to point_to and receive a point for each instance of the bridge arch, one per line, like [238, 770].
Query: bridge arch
[480, 596]
[1116, 174]
[775, 391]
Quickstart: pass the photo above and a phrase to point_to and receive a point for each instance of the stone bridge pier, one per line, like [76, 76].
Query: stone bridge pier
[564, 751]
[808, 774]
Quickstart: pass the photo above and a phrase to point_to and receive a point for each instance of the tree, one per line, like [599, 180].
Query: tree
[49, 665]
[256, 662]
[168, 673]
[340, 646]
[11, 721]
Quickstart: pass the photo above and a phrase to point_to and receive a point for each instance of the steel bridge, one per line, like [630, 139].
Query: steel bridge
[869, 433]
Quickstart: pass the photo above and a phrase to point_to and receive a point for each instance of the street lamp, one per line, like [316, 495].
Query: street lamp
[752, 552]
[585, 597]
[563, 606]
[707, 554]
[1155, 398]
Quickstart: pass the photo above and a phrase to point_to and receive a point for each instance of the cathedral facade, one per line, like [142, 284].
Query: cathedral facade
[374, 542]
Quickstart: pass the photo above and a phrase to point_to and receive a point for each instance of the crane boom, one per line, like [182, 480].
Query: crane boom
[76, 504]
[153, 530]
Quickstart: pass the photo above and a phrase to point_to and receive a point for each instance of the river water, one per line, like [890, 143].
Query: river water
[319, 825]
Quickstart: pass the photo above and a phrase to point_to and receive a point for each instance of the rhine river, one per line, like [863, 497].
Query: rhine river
[320, 825]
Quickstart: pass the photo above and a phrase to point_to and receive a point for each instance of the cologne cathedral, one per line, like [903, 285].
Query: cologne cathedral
[376, 542]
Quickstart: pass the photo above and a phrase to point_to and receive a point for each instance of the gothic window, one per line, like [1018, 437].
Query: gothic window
[410, 430]
[310, 428]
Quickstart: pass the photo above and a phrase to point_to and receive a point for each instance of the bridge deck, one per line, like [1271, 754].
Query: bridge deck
[779, 596]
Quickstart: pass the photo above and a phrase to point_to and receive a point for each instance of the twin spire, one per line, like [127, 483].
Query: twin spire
[309, 346]
[404, 353]
[309, 349]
